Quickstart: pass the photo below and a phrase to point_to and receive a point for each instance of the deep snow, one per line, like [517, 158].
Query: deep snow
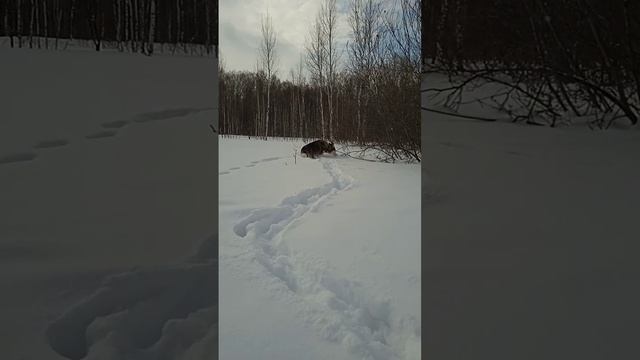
[108, 174]
[530, 237]
[319, 258]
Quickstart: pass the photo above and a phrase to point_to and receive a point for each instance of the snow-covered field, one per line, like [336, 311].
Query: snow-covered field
[319, 258]
[108, 174]
[531, 239]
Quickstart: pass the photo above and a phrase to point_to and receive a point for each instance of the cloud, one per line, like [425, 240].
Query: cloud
[240, 30]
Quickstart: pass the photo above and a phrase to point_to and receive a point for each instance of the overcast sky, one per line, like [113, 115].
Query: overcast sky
[240, 30]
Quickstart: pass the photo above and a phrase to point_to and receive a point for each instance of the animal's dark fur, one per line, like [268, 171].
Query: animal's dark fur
[318, 147]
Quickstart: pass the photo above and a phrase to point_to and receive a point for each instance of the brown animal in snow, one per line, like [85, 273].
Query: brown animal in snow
[318, 147]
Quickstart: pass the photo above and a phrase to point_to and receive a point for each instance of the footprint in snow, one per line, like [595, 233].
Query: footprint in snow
[45, 144]
[114, 124]
[168, 114]
[101, 134]
[269, 159]
[17, 157]
[154, 312]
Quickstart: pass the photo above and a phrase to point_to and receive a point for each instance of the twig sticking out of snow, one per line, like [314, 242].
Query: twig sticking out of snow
[360, 152]
[458, 115]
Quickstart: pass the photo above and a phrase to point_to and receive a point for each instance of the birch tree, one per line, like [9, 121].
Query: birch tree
[152, 26]
[268, 60]
[365, 22]
[316, 59]
[328, 20]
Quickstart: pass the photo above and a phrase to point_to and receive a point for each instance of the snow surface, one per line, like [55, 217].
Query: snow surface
[531, 239]
[108, 175]
[319, 258]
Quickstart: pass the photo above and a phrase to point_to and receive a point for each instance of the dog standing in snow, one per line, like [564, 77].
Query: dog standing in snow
[318, 147]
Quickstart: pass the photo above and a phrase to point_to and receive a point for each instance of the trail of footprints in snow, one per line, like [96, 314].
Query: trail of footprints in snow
[337, 308]
[252, 164]
[167, 312]
[110, 129]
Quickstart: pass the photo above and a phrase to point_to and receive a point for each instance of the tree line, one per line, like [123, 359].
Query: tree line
[128, 25]
[553, 60]
[364, 93]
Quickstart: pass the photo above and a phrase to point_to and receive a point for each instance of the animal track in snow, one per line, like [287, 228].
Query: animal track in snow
[168, 114]
[338, 309]
[252, 164]
[45, 144]
[114, 124]
[269, 159]
[269, 222]
[162, 313]
[101, 134]
[110, 130]
[17, 157]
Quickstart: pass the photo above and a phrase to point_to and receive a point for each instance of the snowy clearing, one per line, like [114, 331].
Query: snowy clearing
[319, 258]
[108, 171]
[531, 239]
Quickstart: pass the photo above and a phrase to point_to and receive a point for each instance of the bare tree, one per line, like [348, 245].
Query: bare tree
[92, 21]
[268, 60]
[258, 87]
[58, 12]
[328, 19]
[403, 26]
[45, 15]
[72, 13]
[124, 24]
[179, 30]
[152, 26]
[365, 21]
[6, 23]
[373, 101]
[300, 82]
[19, 24]
[208, 25]
[440, 34]
[316, 59]
[546, 59]
[32, 23]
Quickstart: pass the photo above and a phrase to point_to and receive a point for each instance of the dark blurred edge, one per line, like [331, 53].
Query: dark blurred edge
[524, 312]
